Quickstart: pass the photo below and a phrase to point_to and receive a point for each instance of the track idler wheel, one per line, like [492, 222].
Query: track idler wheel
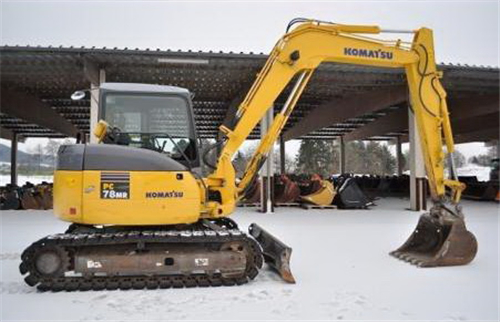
[46, 262]
[440, 239]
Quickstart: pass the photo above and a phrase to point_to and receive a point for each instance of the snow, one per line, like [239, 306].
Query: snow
[22, 179]
[482, 173]
[339, 259]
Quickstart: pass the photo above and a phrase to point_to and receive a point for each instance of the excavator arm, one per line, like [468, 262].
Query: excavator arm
[437, 240]
[297, 55]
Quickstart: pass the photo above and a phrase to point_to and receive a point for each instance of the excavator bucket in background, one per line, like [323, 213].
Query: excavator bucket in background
[322, 197]
[276, 253]
[285, 190]
[252, 195]
[438, 241]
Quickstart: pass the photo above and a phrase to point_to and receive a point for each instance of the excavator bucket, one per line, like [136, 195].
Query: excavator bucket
[322, 197]
[276, 253]
[438, 241]
[285, 190]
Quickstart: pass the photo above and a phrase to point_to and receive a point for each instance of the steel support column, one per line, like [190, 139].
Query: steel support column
[94, 104]
[418, 187]
[13, 159]
[267, 171]
[282, 156]
[342, 155]
[95, 76]
[33, 110]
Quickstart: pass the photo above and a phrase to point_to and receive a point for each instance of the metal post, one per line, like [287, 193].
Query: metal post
[282, 155]
[399, 156]
[13, 159]
[267, 171]
[342, 155]
[418, 187]
[94, 104]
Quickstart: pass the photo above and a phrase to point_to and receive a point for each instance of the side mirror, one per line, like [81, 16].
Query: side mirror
[78, 95]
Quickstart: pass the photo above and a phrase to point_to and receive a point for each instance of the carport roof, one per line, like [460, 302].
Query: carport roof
[218, 80]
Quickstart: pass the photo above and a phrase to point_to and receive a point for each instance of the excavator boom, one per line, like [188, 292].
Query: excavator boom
[295, 57]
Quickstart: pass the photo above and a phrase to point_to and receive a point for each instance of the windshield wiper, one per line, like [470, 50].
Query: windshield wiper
[181, 151]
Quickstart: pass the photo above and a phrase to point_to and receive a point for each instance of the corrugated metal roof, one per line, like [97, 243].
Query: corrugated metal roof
[53, 73]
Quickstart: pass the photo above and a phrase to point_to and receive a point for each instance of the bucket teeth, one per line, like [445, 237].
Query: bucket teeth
[409, 258]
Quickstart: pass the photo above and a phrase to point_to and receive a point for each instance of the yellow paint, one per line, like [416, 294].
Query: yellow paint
[300, 51]
[101, 130]
[322, 197]
[68, 194]
[137, 209]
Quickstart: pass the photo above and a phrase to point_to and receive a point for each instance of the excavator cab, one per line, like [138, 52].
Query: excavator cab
[153, 117]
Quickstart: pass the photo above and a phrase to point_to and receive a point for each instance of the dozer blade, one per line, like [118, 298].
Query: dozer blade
[438, 241]
[275, 252]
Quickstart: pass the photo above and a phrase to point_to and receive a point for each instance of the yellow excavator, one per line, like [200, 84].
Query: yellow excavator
[143, 217]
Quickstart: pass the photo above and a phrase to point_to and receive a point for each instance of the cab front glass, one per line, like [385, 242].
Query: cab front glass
[162, 123]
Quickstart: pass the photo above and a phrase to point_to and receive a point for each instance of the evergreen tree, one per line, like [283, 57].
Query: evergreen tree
[458, 158]
[406, 160]
[369, 158]
[317, 156]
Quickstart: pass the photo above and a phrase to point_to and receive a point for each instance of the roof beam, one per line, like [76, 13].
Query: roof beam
[231, 111]
[341, 109]
[397, 121]
[9, 135]
[6, 134]
[473, 124]
[473, 106]
[33, 110]
[483, 135]
[91, 71]
[470, 129]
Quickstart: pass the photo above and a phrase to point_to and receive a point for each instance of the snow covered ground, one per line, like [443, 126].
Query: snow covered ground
[21, 180]
[339, 259]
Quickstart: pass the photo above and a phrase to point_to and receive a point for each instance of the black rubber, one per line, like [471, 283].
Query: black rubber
[71, 241]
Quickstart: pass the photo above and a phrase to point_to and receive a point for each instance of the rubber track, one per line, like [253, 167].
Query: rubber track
[71, 241]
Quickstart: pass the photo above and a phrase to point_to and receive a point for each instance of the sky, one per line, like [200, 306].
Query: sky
[466, 32]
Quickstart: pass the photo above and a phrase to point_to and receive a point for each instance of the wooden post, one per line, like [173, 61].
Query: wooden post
[267, 171]
[282, 155]
[13, 159]
[94, 102]
[342, 155]
[418, 187]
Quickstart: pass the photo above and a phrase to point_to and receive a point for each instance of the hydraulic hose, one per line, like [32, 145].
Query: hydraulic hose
[209, 148]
